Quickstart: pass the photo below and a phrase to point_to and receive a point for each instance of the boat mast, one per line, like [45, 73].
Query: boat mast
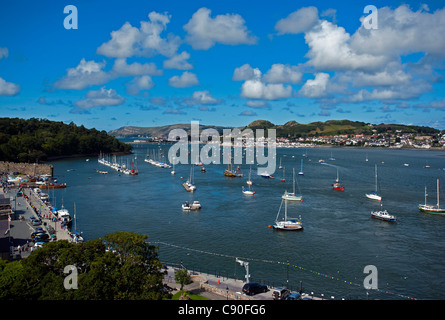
[294, 179]
[376, 178]
[438, 194]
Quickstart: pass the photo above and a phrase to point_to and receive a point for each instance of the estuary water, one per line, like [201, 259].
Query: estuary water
[328, 257]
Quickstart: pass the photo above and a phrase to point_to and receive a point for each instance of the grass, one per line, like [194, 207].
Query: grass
[191, 295]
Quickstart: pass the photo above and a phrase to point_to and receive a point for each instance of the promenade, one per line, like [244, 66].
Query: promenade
[218, 288]
[21, 226]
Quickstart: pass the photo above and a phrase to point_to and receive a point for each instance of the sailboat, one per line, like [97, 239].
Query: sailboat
[337, 185]
[249, 182]
[288, 224]
[188, 185]
[283, 179]
[430, 208]
[249, 191]
[373, 194]
[383, 215]
[292, 196]
[280, 167]
[301, 173]
[332, 158]
[229, 172]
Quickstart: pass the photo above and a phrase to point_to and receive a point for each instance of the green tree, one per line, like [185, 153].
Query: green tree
[182, 277]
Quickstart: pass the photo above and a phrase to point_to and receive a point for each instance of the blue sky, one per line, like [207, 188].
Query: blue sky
[151, 63]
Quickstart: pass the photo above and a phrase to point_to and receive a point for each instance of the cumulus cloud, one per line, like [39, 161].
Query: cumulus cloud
[256, 89]
[280, 73]
[8, 88]
[403, 31]
[4, 52]
[204, 32]
[138, 84]
[271, 86]
[246, 72]
[100, 98]
[87, 73]
[186, 79]
[121, 68]
[330, 49]
[298, 21]
[203, 98]
[178, 61]
[315, 88]
[144, 41]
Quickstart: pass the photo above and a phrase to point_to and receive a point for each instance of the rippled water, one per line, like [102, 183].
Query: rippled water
[339, 237]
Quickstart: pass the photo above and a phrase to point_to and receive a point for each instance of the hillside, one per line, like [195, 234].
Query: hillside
[40, 139]
[290, 129]
[162, 131]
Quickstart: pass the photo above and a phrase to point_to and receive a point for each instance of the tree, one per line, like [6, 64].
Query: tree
[120, 266]
[182, 277]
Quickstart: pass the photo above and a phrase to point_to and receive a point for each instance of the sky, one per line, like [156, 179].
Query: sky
[108, 64]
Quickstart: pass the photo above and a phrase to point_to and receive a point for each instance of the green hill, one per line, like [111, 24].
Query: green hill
[40, 139]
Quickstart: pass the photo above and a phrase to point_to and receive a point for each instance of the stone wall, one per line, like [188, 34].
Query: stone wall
[32, 169]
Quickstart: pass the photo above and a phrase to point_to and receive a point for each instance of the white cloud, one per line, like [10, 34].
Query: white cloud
[329, 49]
[203, 98]
[4, 52]
[8, 88]
[100, 98]
[187, 79]
[403, 31]
[145, 41]
[256, 89]
[257, 104]
[138, 84]
[246, 72]
[87, 73]
[315, 88]
[203, 31]
[298, 21]
[121, 68]
[178, 61]
[280, 73]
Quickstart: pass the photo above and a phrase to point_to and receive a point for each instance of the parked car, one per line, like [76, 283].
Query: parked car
[41, 237]
[37, 234]
[253, 288]
[280, 293]
[37, 222]
[293, 296]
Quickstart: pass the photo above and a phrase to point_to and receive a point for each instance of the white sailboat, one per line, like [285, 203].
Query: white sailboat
[188, 185]
[249, 182]
[431, 208]
[292, 196]
[374, 194]
[288, 224]
[301, 173]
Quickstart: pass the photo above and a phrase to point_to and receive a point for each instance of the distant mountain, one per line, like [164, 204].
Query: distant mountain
[290, 129]
[162, 131]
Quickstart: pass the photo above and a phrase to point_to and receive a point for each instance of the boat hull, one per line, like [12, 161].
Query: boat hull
[287, 227]
[388, 218]
[373, 196]
[289, 197]
[432, 210]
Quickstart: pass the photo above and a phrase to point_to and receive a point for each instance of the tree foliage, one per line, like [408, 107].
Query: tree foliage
[38, 139]
[122, 266]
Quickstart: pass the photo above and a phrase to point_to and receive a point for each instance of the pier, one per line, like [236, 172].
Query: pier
[25, 206]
